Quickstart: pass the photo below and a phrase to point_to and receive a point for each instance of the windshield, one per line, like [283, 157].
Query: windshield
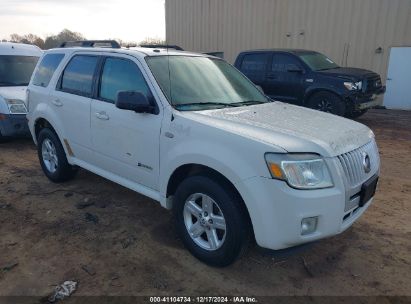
[198, 83]
[318, 62]
[16, 70]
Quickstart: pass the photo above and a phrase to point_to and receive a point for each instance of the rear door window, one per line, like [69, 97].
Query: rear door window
[121, 75]
[253, 63]
[283, 63]
[46, 69]
[78, 75]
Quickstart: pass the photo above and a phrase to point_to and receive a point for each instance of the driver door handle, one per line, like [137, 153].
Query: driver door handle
[57, 102]
[102, 116]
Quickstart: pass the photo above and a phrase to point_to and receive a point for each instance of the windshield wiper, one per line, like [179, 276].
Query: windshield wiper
[11, 84]
[193, 104]
[249, 103]
[6, 83]
[326, 69]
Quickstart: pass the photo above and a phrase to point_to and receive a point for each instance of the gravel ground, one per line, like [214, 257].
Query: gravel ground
[113, 241]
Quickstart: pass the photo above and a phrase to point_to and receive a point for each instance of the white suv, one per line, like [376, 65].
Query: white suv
[194, 134]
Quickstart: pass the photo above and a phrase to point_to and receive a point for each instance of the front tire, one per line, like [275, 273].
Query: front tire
[327, 102]
[53, 158]
[211, 220]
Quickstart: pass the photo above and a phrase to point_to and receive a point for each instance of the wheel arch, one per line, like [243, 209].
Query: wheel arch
[314, 91]
[187, 170]
[40, 124]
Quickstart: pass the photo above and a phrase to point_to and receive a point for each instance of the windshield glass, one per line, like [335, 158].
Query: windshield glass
[198, 83]
[318, 62]
[16, 70]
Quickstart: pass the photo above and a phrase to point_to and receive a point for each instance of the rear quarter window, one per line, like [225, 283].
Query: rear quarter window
[46, 69]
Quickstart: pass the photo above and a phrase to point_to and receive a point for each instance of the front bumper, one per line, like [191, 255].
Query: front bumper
[14, 125]
[362, 101]
[277, 212]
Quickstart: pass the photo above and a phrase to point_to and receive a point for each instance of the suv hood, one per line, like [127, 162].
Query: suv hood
[351, 73]
[13, 93]
[294, 129]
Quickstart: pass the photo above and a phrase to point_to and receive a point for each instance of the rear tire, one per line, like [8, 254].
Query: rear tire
[211, 220]
[327, 102]
[53, 158]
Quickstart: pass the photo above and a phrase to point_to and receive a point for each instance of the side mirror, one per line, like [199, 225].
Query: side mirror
[295, 70]
[134, 101]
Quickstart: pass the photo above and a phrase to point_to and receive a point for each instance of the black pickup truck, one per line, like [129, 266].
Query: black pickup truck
[311, 79]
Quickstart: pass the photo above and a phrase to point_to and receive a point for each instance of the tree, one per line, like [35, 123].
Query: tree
[16, 38]
[63, 36]
[28, 39]
[152, 41]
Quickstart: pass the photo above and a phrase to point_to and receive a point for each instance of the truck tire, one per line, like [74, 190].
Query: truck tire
[327, 102]
[211, 220]
[53, 158]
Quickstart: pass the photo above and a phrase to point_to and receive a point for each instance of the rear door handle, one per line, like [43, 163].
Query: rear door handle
[102, 116]
[272, 77]
[57, 103]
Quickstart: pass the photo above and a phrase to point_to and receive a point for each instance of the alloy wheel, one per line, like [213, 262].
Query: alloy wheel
[325, 106]
[49, 154]
[205, 222]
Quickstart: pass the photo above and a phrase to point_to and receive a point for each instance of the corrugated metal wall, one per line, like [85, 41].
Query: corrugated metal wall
[349, 31]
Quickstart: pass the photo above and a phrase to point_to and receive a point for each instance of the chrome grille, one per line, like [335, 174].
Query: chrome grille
[352, 164]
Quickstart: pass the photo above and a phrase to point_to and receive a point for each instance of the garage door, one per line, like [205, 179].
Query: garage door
[398, 95]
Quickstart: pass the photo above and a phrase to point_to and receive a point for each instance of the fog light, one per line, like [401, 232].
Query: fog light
[309, 225]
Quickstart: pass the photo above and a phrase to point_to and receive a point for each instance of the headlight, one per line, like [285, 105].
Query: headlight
[16, 106]
[301, 171]
[353, 86]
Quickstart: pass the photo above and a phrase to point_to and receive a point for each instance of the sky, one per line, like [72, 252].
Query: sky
[128, 20]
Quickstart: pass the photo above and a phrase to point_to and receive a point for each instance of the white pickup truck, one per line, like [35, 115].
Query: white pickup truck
[193, 133]
[17, 62]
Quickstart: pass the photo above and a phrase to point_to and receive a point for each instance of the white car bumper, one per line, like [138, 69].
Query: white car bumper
[277, 212]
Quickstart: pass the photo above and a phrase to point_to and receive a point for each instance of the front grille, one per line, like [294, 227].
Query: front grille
[372, 84]
[352, 164]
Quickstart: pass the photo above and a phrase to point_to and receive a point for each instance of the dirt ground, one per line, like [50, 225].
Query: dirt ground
[125, 244]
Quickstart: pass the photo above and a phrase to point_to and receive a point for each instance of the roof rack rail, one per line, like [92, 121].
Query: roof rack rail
[92, 43]
[162, 46]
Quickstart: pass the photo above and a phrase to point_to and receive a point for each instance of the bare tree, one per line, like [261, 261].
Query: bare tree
[16, 38]
[28, 39]
[64, 35]
[152, 41]
[53, 41]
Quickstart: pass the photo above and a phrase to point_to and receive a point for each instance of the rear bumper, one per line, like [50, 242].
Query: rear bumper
[14, 125]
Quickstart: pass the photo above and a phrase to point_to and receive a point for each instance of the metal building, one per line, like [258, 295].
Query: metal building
[358, 33]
